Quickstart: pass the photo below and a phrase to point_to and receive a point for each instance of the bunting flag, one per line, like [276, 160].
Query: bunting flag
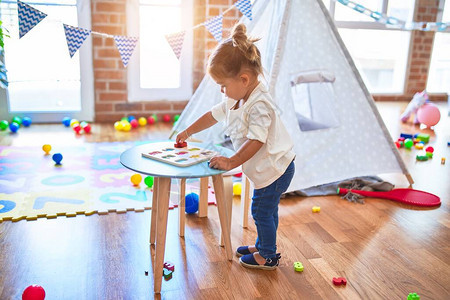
[126, 47]
[75, 37]
[28, 17]
[176, 41]
[245, 7]
[214, 26]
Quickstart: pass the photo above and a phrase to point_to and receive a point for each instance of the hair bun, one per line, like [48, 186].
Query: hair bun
[241, 41]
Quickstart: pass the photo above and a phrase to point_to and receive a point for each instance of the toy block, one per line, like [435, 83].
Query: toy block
[316, 209]
[413, 296]
[422, 157]
[298, 267]
[429, 154]
[424, 137]
[443, 161]
[169, 266]
[419, 146]
[339, 281]
[406, 135]
[180, 145]
[146, 273]
[167, 274]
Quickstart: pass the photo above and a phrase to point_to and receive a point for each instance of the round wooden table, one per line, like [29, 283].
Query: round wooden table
[163, 174]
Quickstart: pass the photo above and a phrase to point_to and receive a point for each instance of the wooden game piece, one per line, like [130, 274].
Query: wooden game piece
[167, 274]
[180, 145]
[316, 209]
[169, 266]
[298, 267]
[339, 281]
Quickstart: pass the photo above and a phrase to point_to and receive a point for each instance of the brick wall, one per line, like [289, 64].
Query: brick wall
[109, 16]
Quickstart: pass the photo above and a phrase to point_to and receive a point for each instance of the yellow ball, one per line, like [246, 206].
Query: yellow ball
[142, 121]
[73, 122]
[118, 126]
[136, 179]
[126, 127]
[46, 148]
[237, 188]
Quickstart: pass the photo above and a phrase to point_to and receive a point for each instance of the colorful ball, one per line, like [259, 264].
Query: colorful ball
[149, 181]
[151, 120]
[155, 117]
[66, 121]
[118, 125]
[73, 122]
[176, 117]
[3, 125]
[76, 128]
[131, 118]
[429, 149]
[166, 118]
[14, 127]
[408, 143]
[33, 292]
[47, 148]
[26, 121]
[237, 188]
[126, 126]
[17, 120]
[136, 179]
[87, 128]
[428, 114]
[124, 119]
[142, 121]
[134, 123]
[57, 158]
[191, 203]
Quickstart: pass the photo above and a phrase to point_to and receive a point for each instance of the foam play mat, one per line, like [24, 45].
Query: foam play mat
[89, 180]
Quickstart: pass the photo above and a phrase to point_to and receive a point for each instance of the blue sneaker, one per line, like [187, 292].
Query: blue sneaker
[249, 261]
[242, 250]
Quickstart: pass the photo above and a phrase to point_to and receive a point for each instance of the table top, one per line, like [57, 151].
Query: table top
[133, 160]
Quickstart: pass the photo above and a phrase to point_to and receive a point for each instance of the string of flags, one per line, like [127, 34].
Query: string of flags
[29, 17]
[395, 22]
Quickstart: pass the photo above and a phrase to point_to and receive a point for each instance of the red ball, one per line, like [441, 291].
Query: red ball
[33, 292]
[87, 128]
[77, 128]
[429, 149]
[151, 120]
[166, 118]
[134, 123]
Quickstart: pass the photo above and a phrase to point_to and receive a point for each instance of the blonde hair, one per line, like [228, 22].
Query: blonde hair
[234, 54]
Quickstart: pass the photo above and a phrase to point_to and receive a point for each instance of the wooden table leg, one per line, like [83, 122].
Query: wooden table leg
[221, 207]
[163, 210]
[203, 201]
[228, 195]
[245, 200]
[182, 207]
[154, 211]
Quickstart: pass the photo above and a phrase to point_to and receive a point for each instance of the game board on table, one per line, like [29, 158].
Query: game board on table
[181, 157]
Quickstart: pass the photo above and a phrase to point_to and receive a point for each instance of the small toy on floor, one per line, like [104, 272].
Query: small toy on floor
[413, 296]
[180, 145]
[316, 209]
[33, 292]
[298, 266]
[339, 281]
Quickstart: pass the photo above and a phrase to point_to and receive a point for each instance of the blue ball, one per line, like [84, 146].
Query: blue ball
[26, 121]
[14, 127]
[66, 121]
[57, 157]
[191, 203]
[130, 118]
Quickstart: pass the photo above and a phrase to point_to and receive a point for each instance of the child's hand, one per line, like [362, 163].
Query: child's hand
[220, 163]
[182, 136]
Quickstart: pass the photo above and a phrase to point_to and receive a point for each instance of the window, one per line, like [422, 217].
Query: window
[43, 79]
[154, 72]
[439, 75]
[380, 52]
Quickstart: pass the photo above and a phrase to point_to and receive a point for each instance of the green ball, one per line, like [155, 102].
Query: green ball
[16, 120]
[408, 143]
[149, 181]
[124, 119]
[155, 117]
[3, 125]
[176, 117]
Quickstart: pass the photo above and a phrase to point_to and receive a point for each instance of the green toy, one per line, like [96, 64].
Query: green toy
[17, 120]
[422, 157]
[429, 154]
[176, 117]
[167, 274]
[424, 137]
[149, 181]
[298, 267]
[3, 125]
[413, 296]
[408, 143]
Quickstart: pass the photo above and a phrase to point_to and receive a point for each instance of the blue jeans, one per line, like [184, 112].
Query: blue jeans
[265, 212]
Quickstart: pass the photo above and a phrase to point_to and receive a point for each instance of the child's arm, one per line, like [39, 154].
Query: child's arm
[247, 150]
[205, 121]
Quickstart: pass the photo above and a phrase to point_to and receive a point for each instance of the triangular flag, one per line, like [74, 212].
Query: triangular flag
[126, 47]
[214, 26]
[245, 7]
[175, 41]
[28, 17]
[75, 37]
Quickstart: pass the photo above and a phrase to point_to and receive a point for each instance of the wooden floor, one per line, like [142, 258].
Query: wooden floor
[384, 249]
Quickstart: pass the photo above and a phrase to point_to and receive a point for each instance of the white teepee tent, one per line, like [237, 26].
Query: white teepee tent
[330, 115]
